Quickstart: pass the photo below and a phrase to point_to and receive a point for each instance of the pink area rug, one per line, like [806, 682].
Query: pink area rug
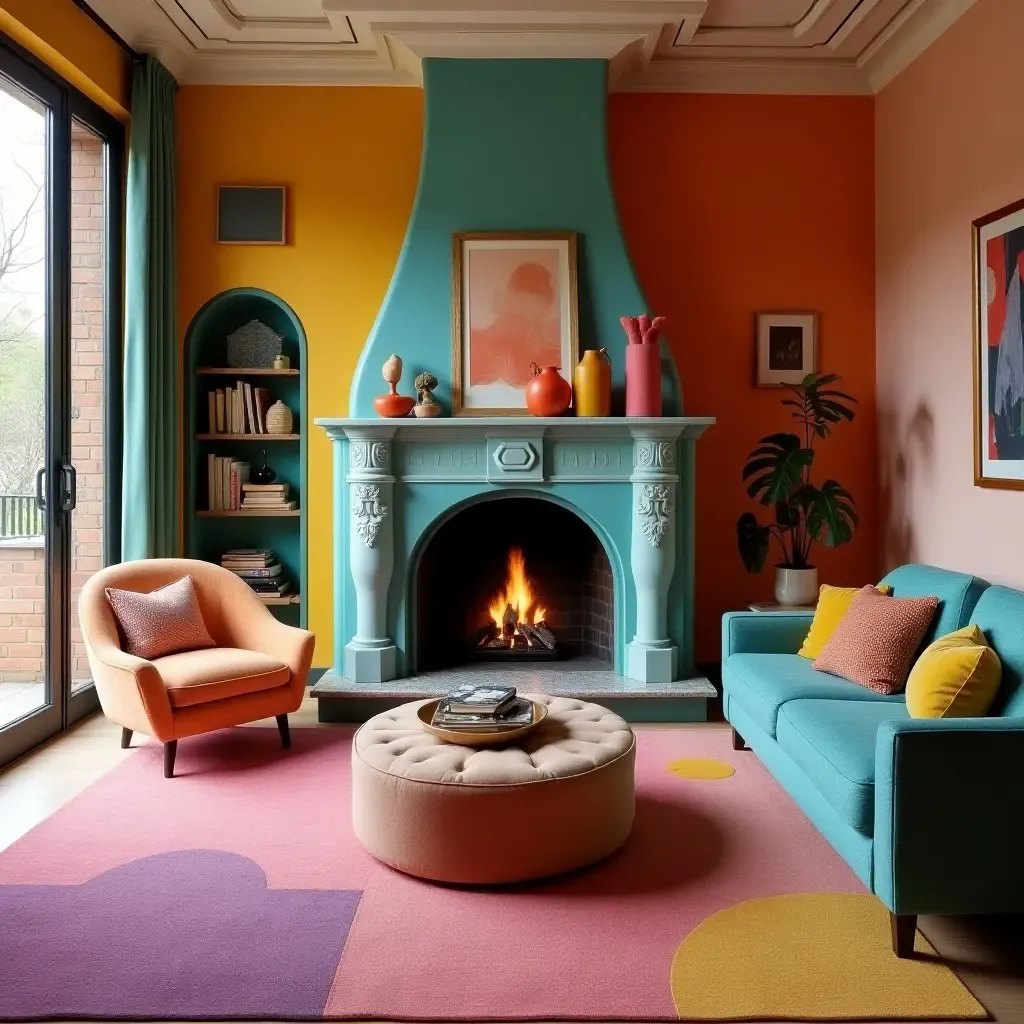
[238, 890]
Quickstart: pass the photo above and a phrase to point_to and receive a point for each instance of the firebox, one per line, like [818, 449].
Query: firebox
[513, 580]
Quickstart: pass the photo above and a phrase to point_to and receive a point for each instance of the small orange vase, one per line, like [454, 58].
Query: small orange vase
[549, 393]
[592, 384]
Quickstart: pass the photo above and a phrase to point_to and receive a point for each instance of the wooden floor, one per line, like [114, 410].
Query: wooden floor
[987, 953]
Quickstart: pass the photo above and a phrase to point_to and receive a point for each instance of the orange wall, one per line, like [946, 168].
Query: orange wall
[949, 150]
[67, 39]
[732, 204]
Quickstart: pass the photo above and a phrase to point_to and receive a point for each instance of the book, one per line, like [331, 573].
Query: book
[211, 411]
[274, 589]
[239, 476]
[250, 413]
[220, 411]
[478, 699]
[211, 482]
[519, 712]
[266, 572]
[249, 553]
[263, 403]
[266, 488]
[286, 506]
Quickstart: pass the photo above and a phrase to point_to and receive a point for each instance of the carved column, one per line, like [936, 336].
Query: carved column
[651, 655]
[370, 654]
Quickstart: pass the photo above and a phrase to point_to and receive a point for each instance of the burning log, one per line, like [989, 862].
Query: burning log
[486, 635]
[509, 622]
[538, 635]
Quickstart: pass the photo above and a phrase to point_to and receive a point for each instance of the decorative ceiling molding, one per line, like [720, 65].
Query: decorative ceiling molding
[851, 47]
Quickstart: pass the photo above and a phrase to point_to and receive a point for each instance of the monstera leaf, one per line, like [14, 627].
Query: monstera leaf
[831, 517]
[753, 540]
[776, 468]
[819, 406]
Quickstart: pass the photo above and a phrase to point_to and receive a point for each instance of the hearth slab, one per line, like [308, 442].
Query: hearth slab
[685, 700]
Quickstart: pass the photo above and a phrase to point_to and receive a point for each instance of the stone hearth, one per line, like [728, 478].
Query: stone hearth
[397, 481]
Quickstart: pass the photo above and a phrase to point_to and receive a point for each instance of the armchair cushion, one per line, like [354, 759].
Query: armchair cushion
[762, 683]
[161, 621]
[833, 741]
[196, 677]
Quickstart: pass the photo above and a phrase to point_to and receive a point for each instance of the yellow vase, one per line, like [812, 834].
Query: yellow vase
[592, 391]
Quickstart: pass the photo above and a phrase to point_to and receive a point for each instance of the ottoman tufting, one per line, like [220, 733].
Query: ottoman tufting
[562, 798]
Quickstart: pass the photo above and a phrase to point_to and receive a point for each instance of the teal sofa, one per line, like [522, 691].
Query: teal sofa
[929, 813]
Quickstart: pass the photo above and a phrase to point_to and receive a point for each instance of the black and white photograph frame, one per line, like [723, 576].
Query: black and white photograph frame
[787, 348]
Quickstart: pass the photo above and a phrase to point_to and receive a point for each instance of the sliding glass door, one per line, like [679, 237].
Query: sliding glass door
[60, 325]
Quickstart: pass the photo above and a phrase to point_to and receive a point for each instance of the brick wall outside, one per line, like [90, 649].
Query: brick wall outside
[22, 613]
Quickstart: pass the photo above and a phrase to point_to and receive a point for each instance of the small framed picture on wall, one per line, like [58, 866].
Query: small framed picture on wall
[787, 348]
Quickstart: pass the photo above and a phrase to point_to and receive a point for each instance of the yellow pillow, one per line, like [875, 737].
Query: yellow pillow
[958, 676]
[833, 604]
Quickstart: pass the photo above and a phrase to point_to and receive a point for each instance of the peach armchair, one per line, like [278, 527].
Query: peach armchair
[257, 670]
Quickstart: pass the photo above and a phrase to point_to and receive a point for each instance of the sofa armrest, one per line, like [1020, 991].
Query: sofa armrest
[764, 632]
[949, 815]
[130, 690]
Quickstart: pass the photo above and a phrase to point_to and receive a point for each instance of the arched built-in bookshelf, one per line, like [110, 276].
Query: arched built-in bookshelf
[209, 533]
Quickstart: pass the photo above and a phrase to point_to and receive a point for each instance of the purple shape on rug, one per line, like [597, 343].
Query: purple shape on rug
[194, 934]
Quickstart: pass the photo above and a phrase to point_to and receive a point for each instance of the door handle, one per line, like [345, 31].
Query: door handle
[40, 500]
[69, 487]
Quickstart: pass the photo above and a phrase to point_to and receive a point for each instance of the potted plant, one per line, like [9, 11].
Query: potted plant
[778, 476]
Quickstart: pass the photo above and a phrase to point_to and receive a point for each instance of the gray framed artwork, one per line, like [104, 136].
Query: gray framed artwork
[252, 214]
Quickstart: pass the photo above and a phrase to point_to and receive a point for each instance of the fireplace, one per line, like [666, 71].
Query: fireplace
[512, 581]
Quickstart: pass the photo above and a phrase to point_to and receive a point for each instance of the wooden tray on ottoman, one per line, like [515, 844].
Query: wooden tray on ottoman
[479, 739]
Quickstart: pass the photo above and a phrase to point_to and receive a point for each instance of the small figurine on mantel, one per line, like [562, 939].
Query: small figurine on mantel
[426, 405]
[393, 405]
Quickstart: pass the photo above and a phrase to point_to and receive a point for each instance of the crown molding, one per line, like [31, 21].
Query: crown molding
[652, 45]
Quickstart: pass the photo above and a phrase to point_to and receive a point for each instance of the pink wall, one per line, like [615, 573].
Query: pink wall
[948, 149]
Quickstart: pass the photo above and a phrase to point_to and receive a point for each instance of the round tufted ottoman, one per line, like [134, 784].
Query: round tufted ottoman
[560, 799]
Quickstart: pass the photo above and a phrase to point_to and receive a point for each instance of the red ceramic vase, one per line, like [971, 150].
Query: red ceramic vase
[549, 393]
[643, 380]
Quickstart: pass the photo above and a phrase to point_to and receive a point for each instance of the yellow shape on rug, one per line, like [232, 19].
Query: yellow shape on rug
[701, 768]
[811, 956]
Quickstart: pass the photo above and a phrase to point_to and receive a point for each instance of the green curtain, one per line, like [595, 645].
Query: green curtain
[150, 487]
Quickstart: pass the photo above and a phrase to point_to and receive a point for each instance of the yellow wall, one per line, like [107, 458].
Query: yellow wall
[67, 39]
[350, 159]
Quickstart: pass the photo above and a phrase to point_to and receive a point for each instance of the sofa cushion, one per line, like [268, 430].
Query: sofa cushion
[762, 683]
[195, 677]
[1000, 615]
[833, 741]
[957, 592]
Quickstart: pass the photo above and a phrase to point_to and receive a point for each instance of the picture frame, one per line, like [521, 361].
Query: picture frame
[998, 380]
[787, 347]
[514, 302]
[252, 215]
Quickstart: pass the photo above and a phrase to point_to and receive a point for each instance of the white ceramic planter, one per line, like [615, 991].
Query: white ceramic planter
[796, 586]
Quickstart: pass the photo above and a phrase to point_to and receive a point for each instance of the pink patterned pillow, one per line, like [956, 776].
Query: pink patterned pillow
[162, 621]
[876, 640]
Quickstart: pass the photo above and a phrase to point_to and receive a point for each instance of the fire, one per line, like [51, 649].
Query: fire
[517, 594]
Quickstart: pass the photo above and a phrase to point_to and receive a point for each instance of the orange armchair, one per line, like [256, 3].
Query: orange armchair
[257, 670]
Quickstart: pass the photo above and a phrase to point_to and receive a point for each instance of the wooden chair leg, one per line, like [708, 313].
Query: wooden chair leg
[170, 749]
[282, 728]
[126, 738]
[904, 928]
[738, 743]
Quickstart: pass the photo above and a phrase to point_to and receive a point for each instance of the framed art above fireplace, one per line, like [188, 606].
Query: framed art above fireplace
[514, 305]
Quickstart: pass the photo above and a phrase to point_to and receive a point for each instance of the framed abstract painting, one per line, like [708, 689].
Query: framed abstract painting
[999, 349]
[514, 303]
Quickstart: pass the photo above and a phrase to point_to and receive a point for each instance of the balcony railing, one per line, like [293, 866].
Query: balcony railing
[19, 516]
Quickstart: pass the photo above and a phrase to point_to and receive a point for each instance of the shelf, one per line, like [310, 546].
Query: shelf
[244, 371]
[287, 599]
[224, 513]
[247, 437]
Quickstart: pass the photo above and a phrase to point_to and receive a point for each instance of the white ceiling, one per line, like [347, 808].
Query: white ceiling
[775, 46]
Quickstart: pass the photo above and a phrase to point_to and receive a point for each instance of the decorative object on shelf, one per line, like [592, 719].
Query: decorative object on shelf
[254, 344]
[393, 405]
[263, 475]
[514, 304]
[787, 348]
[643, 364]
[998, 343]
[426, 404]
[778, 476]
[549, 393]
[282, 363]
[279, 419]
[592, 384]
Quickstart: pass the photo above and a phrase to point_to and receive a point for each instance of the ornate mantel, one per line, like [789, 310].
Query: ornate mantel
[630, 479]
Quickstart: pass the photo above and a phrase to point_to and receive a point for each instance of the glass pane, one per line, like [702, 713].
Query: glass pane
[88, 315]
[23, 214]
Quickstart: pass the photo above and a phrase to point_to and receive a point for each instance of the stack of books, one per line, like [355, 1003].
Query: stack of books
[482, 709]
[238, 410]
[273, 497]
[259, 568]
[226, 480]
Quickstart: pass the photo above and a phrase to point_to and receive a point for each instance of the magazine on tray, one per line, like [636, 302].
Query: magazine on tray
[485, 699]
[520, 713]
